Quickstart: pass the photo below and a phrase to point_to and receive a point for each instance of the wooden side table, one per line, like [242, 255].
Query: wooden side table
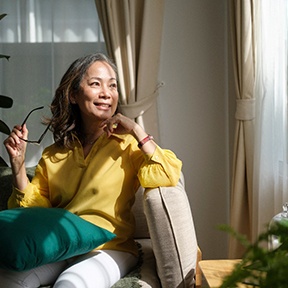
[214, 271]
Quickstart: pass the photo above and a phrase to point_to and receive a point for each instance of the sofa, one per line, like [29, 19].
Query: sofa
[164, 232]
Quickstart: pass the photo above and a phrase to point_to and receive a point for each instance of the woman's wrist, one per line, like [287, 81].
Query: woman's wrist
[139, 133]
[145, 140]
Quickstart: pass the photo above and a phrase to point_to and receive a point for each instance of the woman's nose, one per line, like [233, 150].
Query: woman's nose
[105, 92]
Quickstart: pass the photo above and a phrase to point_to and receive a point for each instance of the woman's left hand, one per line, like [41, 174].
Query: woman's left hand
[120, 124]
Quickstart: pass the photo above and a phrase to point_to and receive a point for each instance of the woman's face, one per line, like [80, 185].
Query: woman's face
[98, 96]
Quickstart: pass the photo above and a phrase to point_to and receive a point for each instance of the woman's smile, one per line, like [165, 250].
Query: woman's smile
[103, 106]
[98, 90]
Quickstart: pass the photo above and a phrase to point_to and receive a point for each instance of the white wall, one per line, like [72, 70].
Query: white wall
[193, 111]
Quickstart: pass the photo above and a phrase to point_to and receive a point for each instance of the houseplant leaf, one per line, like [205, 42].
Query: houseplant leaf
[4, 128]
[5, 102]
[1, 55]
[4, 56]
[2, 15]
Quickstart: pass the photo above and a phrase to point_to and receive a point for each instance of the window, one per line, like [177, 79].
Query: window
[271, 93]
[42, 37]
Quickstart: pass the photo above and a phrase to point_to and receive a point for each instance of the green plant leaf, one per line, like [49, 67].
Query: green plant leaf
[5, 101]
[241, 238]
[4, 128]
[261, 266]
[2, 16]
[4, 56]
[1, 55]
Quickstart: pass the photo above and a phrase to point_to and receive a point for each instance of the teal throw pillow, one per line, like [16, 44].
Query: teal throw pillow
[30, 237]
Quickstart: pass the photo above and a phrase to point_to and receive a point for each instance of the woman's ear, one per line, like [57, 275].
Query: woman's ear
[72, 99]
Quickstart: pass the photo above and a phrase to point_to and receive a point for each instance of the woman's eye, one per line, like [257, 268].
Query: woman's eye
[95, 83]
[113, 85]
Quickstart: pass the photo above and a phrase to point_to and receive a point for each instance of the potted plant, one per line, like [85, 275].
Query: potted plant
[5, 102]
[261, 265]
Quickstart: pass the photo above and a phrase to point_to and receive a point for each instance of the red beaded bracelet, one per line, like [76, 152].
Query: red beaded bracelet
[146, 139]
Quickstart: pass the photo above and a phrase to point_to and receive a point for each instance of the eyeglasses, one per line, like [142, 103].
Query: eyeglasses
[42, 135]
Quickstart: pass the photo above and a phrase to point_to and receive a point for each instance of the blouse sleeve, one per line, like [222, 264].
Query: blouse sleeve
[162, 168]
[32, 195]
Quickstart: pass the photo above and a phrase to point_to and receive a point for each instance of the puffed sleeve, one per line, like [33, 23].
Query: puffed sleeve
[32, 195]
[162, 168]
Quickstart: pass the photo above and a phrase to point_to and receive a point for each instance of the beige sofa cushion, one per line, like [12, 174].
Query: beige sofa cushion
[172, 234]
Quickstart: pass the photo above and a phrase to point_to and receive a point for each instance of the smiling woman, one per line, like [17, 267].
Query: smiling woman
[94, 168]
[42, 38]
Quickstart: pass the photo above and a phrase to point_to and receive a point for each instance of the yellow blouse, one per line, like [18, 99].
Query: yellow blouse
[101, 187]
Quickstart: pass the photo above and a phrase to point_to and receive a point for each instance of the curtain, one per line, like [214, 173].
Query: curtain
[133, 32]
[271, 155]
[243, 46]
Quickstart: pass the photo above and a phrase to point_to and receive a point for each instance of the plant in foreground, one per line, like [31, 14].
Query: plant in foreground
[261, 266]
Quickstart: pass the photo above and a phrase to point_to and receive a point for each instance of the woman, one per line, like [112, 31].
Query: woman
[94, 168]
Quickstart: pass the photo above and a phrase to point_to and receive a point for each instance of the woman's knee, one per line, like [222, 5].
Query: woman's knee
[101, 268]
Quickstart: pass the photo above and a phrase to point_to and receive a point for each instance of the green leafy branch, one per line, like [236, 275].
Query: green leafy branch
[261, 266]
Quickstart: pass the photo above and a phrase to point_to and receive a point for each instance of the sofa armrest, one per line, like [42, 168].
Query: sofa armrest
[172, 233]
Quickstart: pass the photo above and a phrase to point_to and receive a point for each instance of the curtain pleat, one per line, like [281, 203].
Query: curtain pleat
[242, 36]
[133, 33]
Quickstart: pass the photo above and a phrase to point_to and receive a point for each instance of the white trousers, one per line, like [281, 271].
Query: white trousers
[99, 269]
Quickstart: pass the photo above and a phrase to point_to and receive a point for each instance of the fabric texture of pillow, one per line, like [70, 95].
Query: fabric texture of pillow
[34, 236]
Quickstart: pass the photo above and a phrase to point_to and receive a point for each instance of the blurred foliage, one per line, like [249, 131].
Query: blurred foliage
[261, 266]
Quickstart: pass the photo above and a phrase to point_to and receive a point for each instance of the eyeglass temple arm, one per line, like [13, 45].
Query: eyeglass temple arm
[38, 108]
[44, 133]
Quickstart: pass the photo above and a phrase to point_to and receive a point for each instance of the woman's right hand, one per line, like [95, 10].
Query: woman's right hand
[16, 148]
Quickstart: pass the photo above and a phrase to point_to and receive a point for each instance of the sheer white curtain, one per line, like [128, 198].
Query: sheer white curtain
[271, 149]
[42, 37]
